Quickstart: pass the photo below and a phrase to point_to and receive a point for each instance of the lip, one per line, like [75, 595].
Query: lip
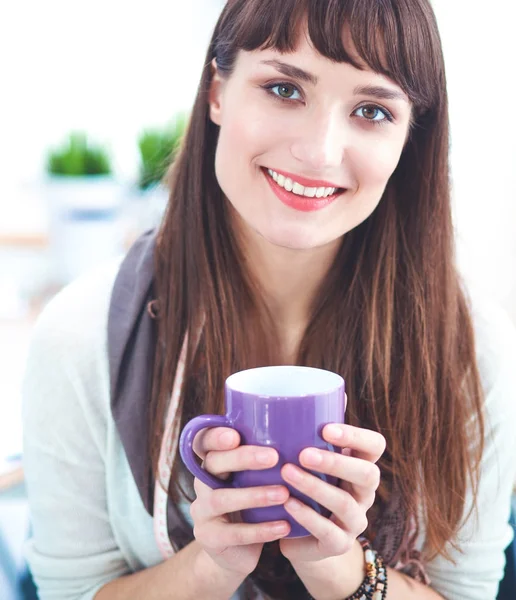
[300, 203]
[308, 182]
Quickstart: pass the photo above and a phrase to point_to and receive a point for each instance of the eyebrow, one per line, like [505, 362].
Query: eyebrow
[382, 93]
[291, 71]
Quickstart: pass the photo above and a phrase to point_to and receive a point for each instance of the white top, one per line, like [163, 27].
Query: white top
[89, 523]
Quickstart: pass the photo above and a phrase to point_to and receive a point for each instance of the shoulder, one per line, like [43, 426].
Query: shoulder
[495, 343]
[66, 376]
[80, 310]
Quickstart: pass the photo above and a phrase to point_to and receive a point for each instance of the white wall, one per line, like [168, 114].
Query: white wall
[113, 67]
[480, 52]
[106, 66]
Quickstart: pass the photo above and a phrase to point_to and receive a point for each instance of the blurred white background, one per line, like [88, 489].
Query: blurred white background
[480, 53]
[113, 68]
[109, 68]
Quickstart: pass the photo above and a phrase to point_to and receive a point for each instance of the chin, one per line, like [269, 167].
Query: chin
[294, 240]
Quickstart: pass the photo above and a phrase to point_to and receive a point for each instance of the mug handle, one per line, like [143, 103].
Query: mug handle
[186, 440]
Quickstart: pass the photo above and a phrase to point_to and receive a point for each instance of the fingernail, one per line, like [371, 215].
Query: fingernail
[293, 504]
[279, 528]
[264, 458]
[276, 495]
[227, 438]
[293, 473]
[312, 457]
[334, 431]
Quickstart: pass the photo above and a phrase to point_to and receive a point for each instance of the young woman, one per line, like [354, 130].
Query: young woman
[309, 223]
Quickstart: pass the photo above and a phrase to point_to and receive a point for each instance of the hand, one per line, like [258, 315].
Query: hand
[348, 502]
[234, 546]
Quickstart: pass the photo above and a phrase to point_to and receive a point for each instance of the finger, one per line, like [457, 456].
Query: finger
[242, 458]
[362, 474]
[332, 540]
[338, 501]
[215, 438]
[365, 443]
[228, 500]
[218, 534]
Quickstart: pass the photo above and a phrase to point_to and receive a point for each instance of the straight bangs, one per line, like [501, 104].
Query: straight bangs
[394, 38]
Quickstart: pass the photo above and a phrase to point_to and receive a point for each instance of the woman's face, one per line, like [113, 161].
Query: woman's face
[306, 120]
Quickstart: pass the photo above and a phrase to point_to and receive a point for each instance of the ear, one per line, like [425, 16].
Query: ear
[215, 94]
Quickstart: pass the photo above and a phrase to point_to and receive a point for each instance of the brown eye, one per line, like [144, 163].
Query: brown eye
[370, 112]
[286, 91]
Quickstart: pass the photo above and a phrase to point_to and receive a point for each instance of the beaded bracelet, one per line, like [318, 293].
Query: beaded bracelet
[374, 586]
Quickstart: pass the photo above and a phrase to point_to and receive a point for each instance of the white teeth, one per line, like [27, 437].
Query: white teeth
[300, 190]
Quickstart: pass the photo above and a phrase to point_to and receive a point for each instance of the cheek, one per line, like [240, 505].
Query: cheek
[245, 131]
[372, 166]
[227, 160]
[243, 136]
[251, 136]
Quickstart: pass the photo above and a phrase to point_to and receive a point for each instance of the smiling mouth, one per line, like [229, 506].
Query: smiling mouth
[294, 187]
[299, 197]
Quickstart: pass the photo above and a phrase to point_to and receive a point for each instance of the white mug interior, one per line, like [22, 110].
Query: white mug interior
[285, 381]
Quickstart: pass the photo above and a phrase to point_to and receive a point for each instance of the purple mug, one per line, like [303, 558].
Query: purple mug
[282, 407]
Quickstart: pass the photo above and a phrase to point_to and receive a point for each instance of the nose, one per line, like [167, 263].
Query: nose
[320, 143]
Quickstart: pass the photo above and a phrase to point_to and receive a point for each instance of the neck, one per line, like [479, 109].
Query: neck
[289, 280]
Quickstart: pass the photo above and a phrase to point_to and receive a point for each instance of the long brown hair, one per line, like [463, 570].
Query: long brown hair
[391, 315]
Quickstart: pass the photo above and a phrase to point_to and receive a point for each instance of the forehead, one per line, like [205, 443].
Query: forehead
[395, 39]
[304, 47]
[305, 56]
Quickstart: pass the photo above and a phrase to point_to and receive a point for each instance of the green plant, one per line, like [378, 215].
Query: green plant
[158, 148]
[77, 157]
